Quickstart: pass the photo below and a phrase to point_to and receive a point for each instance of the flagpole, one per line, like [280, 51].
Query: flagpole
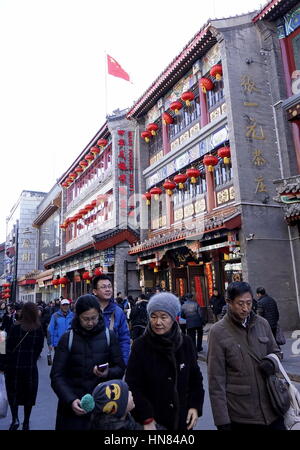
[105, 84]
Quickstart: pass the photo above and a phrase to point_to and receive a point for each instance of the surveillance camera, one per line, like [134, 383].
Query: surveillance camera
[250, 237]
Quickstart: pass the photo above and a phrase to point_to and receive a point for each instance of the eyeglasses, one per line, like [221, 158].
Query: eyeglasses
[107, 286]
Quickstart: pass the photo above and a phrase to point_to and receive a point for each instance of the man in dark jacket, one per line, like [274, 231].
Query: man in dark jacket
[216, 302]
[114, 316]
[267, 308]
[139, 317]
[191, 311]
[237, 387]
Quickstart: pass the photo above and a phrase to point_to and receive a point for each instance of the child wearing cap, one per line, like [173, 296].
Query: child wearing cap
[113, 403]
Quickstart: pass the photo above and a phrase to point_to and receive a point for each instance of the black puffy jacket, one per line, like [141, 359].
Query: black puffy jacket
[72, 371]
[267, 308]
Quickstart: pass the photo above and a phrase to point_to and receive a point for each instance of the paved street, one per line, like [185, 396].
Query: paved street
[44, 412]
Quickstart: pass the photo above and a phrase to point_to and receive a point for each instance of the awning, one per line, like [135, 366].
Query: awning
[26, 282]
[46, 275]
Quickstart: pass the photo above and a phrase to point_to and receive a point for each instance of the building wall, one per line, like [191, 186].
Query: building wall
[256, 161]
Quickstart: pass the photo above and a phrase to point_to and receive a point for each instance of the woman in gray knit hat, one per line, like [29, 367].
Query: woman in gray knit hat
[163, 372]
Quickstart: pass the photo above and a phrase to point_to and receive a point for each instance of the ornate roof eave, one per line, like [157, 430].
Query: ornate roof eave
[231, 222]
[274, 9]
[197, 47]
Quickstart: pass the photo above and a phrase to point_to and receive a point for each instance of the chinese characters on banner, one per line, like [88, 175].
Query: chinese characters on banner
[126, 171]
[209, 277]
[255, 132]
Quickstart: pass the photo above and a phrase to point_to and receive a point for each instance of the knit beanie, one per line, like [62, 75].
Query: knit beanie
[166, 302]
[111, 397]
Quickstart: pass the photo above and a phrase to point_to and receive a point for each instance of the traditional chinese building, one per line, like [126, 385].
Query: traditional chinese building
[279, 25]
[207, 155]
[96, 223]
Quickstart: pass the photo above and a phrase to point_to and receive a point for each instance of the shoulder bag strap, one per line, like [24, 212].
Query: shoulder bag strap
[281, 368]
[20, 342]
[70, 340]
[107, 336]
[112, 321]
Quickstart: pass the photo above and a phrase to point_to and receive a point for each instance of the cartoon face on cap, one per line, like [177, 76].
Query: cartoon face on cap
[113, 392]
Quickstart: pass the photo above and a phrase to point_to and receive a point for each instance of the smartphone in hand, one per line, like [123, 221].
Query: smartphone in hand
[102, 367]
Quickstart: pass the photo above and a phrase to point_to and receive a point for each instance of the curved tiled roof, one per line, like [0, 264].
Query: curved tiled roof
[274, 9]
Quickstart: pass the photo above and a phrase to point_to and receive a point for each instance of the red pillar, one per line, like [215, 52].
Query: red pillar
[203, 107]
[210, 193]
[165, 138]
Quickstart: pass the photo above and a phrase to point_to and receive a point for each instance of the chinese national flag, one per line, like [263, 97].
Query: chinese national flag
[115, 69]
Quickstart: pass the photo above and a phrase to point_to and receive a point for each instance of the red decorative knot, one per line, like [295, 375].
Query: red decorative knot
[102, 142]
[176, 106]
[180, 179]
[167, 118]
[206, 84]
[169, 186]
[95, 150]
[210, 161]
[187, 97]
[216, 71]
[152, 128]
[146, 135]
[147, 196]
[224, 153]
[193, 174]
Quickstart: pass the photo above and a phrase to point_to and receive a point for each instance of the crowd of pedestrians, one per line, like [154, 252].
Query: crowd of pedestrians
[120, 363]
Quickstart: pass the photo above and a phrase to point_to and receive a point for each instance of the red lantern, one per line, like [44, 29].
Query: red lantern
[89, 157]
[206, 84]
[87, 277]
[180, 179]
[83, 164]
[147, 196]
[73, 175]
[89, 207]
[63, 226]
[156, 191]
[95, 150]
[102, 142]
[6, 291]
[224, 153]
[193, 174]
[169, 186]
[146, 135]
[176, 106]
[63, 281]
[78, 170]
[97, 272]
[210, 161]
[65, 184]
[187, 97]
[152, 128]
[167, 118]
[55, 282]
[94, 203]
[5, 285]
[216, 71]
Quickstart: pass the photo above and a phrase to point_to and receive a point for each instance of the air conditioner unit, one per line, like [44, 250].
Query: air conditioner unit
[160, 103]
[196, 67]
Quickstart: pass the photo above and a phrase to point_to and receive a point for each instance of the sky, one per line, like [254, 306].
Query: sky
[52, 75]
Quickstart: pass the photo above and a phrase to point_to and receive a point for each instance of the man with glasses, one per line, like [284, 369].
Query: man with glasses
[114, 316]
